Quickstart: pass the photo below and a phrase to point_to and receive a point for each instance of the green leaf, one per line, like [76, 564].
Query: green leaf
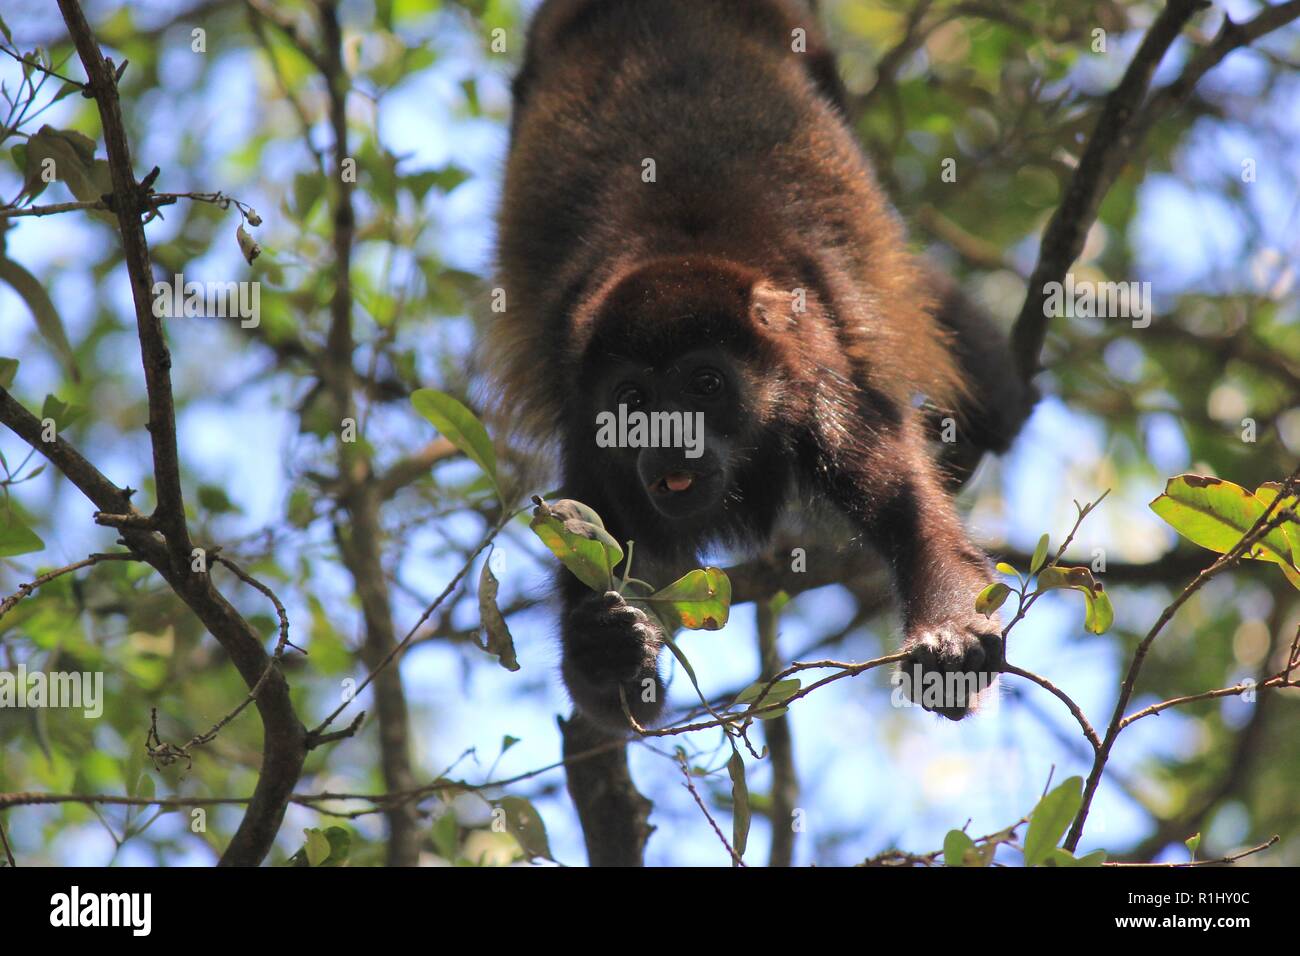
[699, 599]
[526, 826]
[1040, 555]
[60, 412]
[215, 499]
[42, 308]
[1005, 568]
[317, 847]
[496, 634]
[992, 598]
[780, 692]
[1050, 819]
[460, 427]
[1193, 843]
[301, 510]
[75, 165]
[1266, 493]
[1064, 858]
[582, 545]
[446, 836]
[16, 538]
[445, 179]
[8, 369]
[67, 89]
[740, 817]
[307, 190]
[1098, 614]
[323, 848]
[1216, 514]
[959, 850]
[340, 845]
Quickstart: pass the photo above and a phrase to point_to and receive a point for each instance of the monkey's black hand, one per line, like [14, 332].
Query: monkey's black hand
[608, 645]
[951, 662]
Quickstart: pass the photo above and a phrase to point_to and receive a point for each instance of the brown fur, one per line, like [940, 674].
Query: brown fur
[755, 165]
[615, 284]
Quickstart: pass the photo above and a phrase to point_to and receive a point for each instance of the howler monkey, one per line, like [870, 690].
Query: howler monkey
[688, 225]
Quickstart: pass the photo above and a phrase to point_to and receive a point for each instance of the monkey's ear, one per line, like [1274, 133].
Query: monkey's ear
[772, 308]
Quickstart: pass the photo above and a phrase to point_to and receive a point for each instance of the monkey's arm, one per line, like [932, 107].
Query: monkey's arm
[609, 645]
[895, 497]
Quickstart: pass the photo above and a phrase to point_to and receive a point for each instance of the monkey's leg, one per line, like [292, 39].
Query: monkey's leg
[892, 493]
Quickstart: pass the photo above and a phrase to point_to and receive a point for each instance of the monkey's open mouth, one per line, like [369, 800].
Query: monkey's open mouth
[674, 482]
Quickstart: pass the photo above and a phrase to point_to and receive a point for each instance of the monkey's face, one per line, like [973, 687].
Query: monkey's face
[672, 427]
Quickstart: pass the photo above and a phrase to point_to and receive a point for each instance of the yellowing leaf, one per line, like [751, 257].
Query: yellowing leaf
[1099, 614]
[1040, 555]
[700, 599]
[991, 598]
[582, 545]
[1216, 514]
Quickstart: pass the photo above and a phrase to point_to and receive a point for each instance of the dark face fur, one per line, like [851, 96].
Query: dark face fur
[702, 391]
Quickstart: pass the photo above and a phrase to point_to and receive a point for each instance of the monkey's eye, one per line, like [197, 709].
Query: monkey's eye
[633, 396]
[706, 383]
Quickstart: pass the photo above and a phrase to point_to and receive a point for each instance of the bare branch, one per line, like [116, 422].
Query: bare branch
[1051, 688]
[690, 787]
[25, 590]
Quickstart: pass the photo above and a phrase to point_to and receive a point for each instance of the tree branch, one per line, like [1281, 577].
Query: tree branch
[284, 741]
[1267, 521]
[1111, 143]
[780, 748]
[615, 817]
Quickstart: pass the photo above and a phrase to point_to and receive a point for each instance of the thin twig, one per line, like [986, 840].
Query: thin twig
[9, 854]
[686, 774]
[1192, 864]
[25, 590]
[1266, 523]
